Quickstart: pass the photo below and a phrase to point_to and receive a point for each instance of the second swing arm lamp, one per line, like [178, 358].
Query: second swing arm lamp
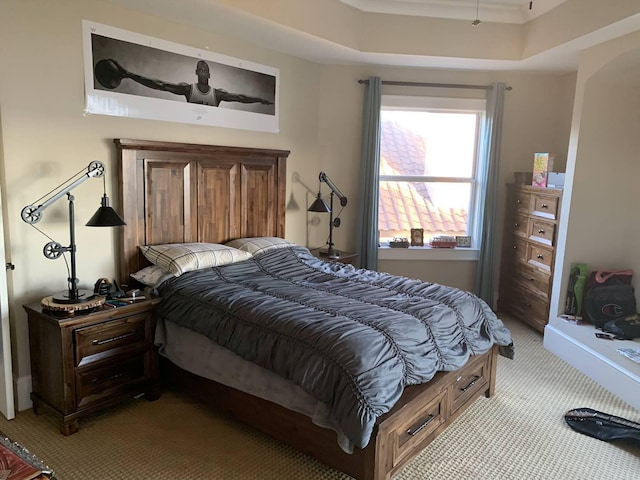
[105, 216]
[319, 205]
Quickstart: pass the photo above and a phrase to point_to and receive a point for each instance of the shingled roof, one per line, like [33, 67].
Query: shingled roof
[403, 205]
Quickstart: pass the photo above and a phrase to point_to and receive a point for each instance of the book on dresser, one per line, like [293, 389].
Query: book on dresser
[528, 254]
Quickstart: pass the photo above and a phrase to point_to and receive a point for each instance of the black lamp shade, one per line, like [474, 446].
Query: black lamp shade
[319, 205]
[105, 216]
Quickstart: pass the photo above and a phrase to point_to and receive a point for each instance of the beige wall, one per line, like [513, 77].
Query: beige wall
[46, 137]
[601, 228]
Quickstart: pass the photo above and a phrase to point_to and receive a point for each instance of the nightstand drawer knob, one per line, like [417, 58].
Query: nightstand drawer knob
[541, 231]
[113, 339]
[540, 257]
[544, 205]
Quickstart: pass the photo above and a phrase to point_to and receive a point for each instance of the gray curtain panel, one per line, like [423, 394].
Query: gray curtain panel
[488, 178]
[367, 221]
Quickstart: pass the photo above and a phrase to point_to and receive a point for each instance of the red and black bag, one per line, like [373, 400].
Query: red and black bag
[608, 295]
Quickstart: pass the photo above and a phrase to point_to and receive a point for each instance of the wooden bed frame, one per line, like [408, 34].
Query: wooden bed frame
[175, 192]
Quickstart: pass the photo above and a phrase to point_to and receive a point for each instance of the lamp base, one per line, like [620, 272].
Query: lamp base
[83, 296]
[50, 303]
[334, 253]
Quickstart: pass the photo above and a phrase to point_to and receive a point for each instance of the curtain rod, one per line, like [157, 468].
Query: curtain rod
[439, 85]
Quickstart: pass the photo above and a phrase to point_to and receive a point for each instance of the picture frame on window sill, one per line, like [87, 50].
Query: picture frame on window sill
[417, 237]
[463, 241]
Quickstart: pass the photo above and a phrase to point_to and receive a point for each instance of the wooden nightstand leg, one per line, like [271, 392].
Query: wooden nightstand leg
[153, 394]
[36, 406]
[69, 428]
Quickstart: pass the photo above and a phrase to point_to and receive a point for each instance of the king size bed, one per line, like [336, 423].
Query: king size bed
[357, 368]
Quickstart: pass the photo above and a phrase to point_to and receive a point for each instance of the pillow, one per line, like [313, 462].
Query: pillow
[179, 258]
[255, 245]
[151, 275]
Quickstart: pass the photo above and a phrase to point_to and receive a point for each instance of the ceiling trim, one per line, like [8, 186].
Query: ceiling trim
[498, 11]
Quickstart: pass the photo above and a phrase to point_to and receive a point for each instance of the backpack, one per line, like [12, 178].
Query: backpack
[608, 296]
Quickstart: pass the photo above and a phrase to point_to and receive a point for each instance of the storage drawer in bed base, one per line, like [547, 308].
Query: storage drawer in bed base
[420, 415]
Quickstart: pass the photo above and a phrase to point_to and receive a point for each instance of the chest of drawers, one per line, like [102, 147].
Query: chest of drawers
[528, 255]
[86, 362]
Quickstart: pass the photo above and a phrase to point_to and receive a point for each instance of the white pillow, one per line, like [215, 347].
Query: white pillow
[151, 275]
[179, 258]
[255, 245]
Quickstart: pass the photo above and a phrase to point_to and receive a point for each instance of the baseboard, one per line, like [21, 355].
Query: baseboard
[612, 376]
[22, 388]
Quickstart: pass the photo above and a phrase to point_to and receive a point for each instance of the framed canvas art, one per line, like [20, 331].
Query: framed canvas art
[132, 75]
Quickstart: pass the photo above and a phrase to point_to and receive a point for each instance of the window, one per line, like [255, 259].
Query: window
[429, 166]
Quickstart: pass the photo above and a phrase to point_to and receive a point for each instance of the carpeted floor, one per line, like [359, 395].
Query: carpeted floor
[519, 433]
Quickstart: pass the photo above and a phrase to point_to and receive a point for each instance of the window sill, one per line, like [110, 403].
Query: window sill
[428, 253]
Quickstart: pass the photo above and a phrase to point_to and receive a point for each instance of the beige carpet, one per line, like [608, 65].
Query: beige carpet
[518, 434]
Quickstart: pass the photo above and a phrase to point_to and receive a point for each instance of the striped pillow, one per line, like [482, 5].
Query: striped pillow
[179, 258]
[256, 245]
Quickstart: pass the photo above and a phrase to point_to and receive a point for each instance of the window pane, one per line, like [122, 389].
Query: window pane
[438, 144]
[438, 208]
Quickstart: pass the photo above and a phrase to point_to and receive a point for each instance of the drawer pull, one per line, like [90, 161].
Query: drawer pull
[518, 201]
[516, 224]
[541, 231]
[414, 431]
[540, 257]
[544, 205]
[515, 247]
[96, 381]
[473, 381]
[113, 339]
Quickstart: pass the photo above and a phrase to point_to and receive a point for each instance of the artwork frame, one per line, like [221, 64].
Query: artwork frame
[417, 237]
[151, 79]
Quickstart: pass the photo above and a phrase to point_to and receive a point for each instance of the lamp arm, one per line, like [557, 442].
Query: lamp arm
[33, 214]
[323, 178]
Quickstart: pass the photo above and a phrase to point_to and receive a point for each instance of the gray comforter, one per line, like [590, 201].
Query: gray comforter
[351, 338]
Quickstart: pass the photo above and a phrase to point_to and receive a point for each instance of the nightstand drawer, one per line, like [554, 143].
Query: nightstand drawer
[93, 384]
[105, 339]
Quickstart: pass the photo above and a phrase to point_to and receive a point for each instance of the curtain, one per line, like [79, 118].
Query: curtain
[367, 221]
[488, 178]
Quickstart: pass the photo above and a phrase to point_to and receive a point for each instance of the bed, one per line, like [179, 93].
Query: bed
[173, 193]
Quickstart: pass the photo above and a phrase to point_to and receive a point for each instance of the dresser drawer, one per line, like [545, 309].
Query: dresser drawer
[516, 249]
[418, 427]
[109, 338]
[539, 256]
[545, 206]
[533, 279]
[527, 306]
[466, 387]
[518, 226]
[541, 231]
[519, 202]
[95, 383]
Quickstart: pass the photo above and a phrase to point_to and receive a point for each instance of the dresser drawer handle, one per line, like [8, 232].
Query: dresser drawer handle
[473, 381]
[540, 257]
[544, 205]
[518, 201]
[414, 431]
[113, 339]
[516, 224]
[96, 381]
[515, 247]
[541, 231]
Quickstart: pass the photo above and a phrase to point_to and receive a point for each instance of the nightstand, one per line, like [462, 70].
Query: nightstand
[86, 362]
[344, 257]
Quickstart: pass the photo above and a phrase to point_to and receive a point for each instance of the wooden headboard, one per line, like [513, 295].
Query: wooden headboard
[179, 192]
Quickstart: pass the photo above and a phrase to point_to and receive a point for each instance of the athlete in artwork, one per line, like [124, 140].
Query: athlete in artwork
[201, 93]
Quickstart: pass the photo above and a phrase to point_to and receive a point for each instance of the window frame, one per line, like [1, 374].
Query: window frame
[476, 106]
